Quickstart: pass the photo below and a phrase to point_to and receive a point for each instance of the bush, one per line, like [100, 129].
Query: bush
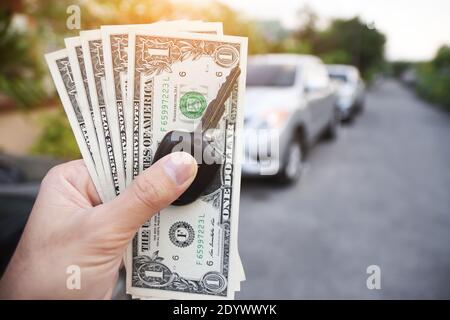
[433, 79]
[434, 86]
[56, 139]
[20, 67]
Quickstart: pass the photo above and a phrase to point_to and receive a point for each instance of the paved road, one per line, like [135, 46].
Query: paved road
[379, 195]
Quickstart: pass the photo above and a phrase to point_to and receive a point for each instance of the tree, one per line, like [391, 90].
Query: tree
[344, 41]
[352, 42]
[442, 59]
[433, 78]
[307, 25]
[20, 71]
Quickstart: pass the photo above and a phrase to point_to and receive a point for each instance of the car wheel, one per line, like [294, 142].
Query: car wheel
[347, 118]
[361, 106]
[292, 168]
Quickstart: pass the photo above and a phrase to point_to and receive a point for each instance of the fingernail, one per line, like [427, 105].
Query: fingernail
[180, 167]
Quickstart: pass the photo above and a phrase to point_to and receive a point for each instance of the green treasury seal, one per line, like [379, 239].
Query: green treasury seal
[192, 104]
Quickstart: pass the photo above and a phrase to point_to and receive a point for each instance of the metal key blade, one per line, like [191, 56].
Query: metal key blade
[216, 107]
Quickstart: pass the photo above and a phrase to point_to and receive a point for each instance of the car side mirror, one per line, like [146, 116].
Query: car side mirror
[306, 89]
[310, 87]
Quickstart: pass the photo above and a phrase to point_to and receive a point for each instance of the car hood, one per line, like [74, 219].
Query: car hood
[258, 100]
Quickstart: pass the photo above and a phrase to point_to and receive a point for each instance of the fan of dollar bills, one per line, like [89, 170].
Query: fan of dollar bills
[124, 87]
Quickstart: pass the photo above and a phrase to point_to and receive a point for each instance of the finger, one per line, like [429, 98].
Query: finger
[154, 189]
[85, 183]
[74, 175]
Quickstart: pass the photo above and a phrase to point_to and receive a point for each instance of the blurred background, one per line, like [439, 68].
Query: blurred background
[377, 193]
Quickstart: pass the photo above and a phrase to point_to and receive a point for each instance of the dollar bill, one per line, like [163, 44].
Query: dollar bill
[62, 75]
[188, 252]
[185, 26]
[77, 62]
[115, 53]
[92, 47]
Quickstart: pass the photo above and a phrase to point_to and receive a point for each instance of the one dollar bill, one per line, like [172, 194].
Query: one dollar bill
[62, 75]
[187, 252]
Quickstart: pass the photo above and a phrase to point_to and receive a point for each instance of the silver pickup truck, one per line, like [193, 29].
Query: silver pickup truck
[289, 105]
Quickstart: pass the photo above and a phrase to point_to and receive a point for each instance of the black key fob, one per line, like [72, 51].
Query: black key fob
[208, 160]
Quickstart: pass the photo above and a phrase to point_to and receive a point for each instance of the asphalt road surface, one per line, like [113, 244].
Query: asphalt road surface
[378, 195]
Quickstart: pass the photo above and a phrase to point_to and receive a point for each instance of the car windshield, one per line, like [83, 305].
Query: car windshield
[273, 75]
[341, 77]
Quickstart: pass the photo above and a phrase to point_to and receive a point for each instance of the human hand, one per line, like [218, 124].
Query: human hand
[68, 226]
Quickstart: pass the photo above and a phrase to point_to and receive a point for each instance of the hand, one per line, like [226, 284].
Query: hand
[68, 226]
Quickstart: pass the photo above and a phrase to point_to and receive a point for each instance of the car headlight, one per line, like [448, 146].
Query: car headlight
[273, 119]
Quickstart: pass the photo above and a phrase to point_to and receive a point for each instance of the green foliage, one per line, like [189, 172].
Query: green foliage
[336, 57]
[20, 72]
[56, 139]
[355, 43]
[290, 45]
[442, 59]
[307, 34]
[343, 42]
[433, 81]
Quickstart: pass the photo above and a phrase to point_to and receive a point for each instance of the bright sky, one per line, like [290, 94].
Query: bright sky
[415, 29]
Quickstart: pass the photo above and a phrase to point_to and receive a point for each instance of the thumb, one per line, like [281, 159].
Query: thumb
[154, 189]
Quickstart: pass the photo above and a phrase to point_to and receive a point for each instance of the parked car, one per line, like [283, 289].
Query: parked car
[289, 105]
[350, 89]
[409, 77]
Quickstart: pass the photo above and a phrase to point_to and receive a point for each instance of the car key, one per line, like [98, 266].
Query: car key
[198, 143]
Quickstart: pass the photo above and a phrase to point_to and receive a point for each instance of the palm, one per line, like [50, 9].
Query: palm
[67, 211]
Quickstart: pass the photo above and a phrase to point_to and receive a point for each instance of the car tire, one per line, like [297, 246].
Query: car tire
[293, 164]
[361, 106]
[348, 119]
